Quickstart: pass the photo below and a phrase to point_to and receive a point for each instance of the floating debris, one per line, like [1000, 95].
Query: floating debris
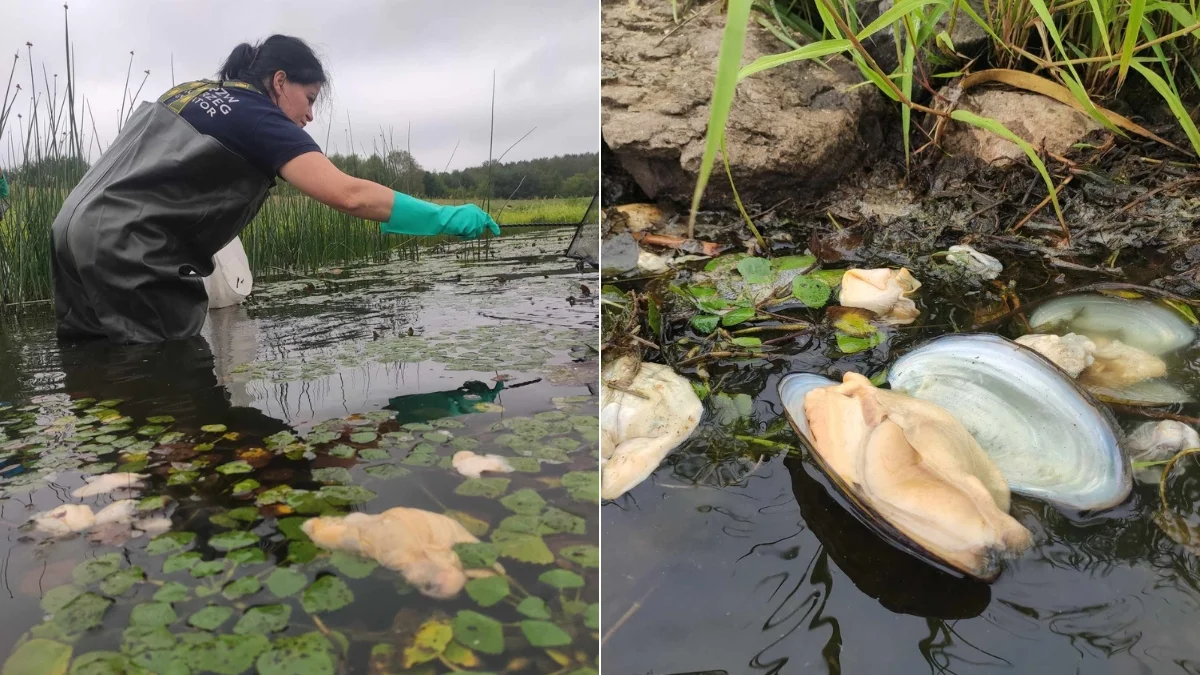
[646, 410]
[882, 291]
[1157, 442]
[980, 264]
[472, 465]
[110, 482]
[918, 476]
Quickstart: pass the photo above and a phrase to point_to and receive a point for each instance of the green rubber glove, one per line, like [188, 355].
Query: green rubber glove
[3, 187]
[416, 217]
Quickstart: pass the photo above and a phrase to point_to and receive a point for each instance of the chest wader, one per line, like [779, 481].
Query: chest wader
[137, 234]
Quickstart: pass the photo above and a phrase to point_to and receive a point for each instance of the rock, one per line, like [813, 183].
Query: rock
[618, 255]
[882, 291]
[1039, 120]
[635, 218]
[790, 131]
[968, 37]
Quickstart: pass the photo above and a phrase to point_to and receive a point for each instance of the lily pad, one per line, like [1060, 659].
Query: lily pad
[308, 654]
[241, 587]
[225, 654]
[429, 642]
[83, 613]
[247, 556]
[491, 488]
[479, 632]
[592, 616]
[152, 503]
[39, 657]
[529, 548]
[524, 501]
[387, 471]
[121, 581]
[153, 614]
[332, 474]
[488, 591]
[364, 437]
[374, 454]
[213, 428]
[228, 541]
[211, 617]
[91, 571]
[171, 591]
[585, 556]
[561, 579]
[583, 486]
[245, 486]
[534, 608]
[235, 467]
[170, 542]
[812, 291]
[100, 663]
[352, 565]
[342, 451]
[160, 419]
[207, 568]
[327, 594]
[285, 581]
[264, 619]
[544, 634]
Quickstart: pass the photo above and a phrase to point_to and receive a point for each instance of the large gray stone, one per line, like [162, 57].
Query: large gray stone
[794, 130]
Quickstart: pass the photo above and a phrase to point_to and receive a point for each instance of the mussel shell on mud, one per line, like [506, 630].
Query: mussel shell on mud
[792, 390]
[1049, 437]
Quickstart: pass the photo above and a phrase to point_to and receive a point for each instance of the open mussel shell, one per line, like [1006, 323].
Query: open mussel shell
[1048, 436]
[1143, 324]
[792, 390]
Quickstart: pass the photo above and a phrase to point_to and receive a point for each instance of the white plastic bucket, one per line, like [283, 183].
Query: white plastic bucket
[231, 281]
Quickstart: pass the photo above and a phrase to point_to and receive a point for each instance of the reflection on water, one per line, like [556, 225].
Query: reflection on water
[325, 395]
[727, 561]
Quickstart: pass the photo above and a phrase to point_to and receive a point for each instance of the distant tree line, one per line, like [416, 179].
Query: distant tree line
[547, 177]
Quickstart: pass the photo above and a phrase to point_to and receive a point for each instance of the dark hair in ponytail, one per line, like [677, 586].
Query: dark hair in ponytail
[258, 65]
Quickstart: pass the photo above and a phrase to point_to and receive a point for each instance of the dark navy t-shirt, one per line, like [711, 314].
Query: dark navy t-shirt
[249, 124]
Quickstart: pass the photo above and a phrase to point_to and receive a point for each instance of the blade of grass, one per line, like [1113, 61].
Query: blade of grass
[811, 51]
[729, 58]
[896, 13]
[1002, 131]
[1133, 28]
[1164, 90]
[906, 82]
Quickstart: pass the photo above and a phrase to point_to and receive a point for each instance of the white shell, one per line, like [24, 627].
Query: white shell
[1138, 323]
[1047, 436]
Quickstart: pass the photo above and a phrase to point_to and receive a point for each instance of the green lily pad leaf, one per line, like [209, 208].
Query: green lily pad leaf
[245, 486]
[56, 598]
[247, 556]
[534, 608]
[364, 437]
[810, 290]
[583, 486]
[438, 437]
[490, 488]
[592, 616]
[476, 555]
[171, 591]
[39, 657]
[228, 541]
[160, 419]
[705, 323]
[747, 341]
[524, 501]
[119, 582]
[226, 654]
[207, 568]
[206, 591]
[151, 503]
[301, 552]
[138, 639]
[264, 619]
[213, 428]
[203, 447]
[561, 579]
[520, 523]
[755, 270]
[793, 262]
[274, 495]
[241, 587]
[183, 477]
[235, 467]
[327, 594]
[83, 613]
[150, 430]
[332, 474]
[522, 546]
[386, 471]
[487, 591]
[342, 451]
[464, 443]
[91, 571]
[431, 640]
[285, 581]
[374, 454]
[848, 344]
[170, 542]
[554, 520]
[319, 437]
[246, 514]
[479, 632]
[211, 617]
[346, 495]
[100, 663]
[585, 556]
[544, 634]
[153, 614]
[290, 527]
[417, 426]
[353, 565]
[524, 464]
[855, 324]
[286, 655]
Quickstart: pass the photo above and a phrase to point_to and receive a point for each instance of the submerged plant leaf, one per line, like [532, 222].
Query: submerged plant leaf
[429, 642]
[91, 571]
[353, 565]
[39, 657]
[170, 542]
[346, 495]
[848, 344]
[56, 598]
[584, 555]
[479, 632]
[386, 471]
[121, 581]
[473, 525]
[333, 474]
[83, 613]
[374, 454]
[327, 594]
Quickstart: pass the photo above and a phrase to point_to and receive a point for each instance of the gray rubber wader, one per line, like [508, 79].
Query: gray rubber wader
[138, 232]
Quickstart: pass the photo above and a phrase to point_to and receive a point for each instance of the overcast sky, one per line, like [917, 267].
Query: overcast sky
[391, 62]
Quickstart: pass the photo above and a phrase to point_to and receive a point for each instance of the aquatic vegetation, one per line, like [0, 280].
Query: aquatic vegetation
[912, 469]
[646, 411]
[1049, 438]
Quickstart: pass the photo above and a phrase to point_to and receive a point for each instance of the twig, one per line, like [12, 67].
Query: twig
[1042, 205]
[1162, 188]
